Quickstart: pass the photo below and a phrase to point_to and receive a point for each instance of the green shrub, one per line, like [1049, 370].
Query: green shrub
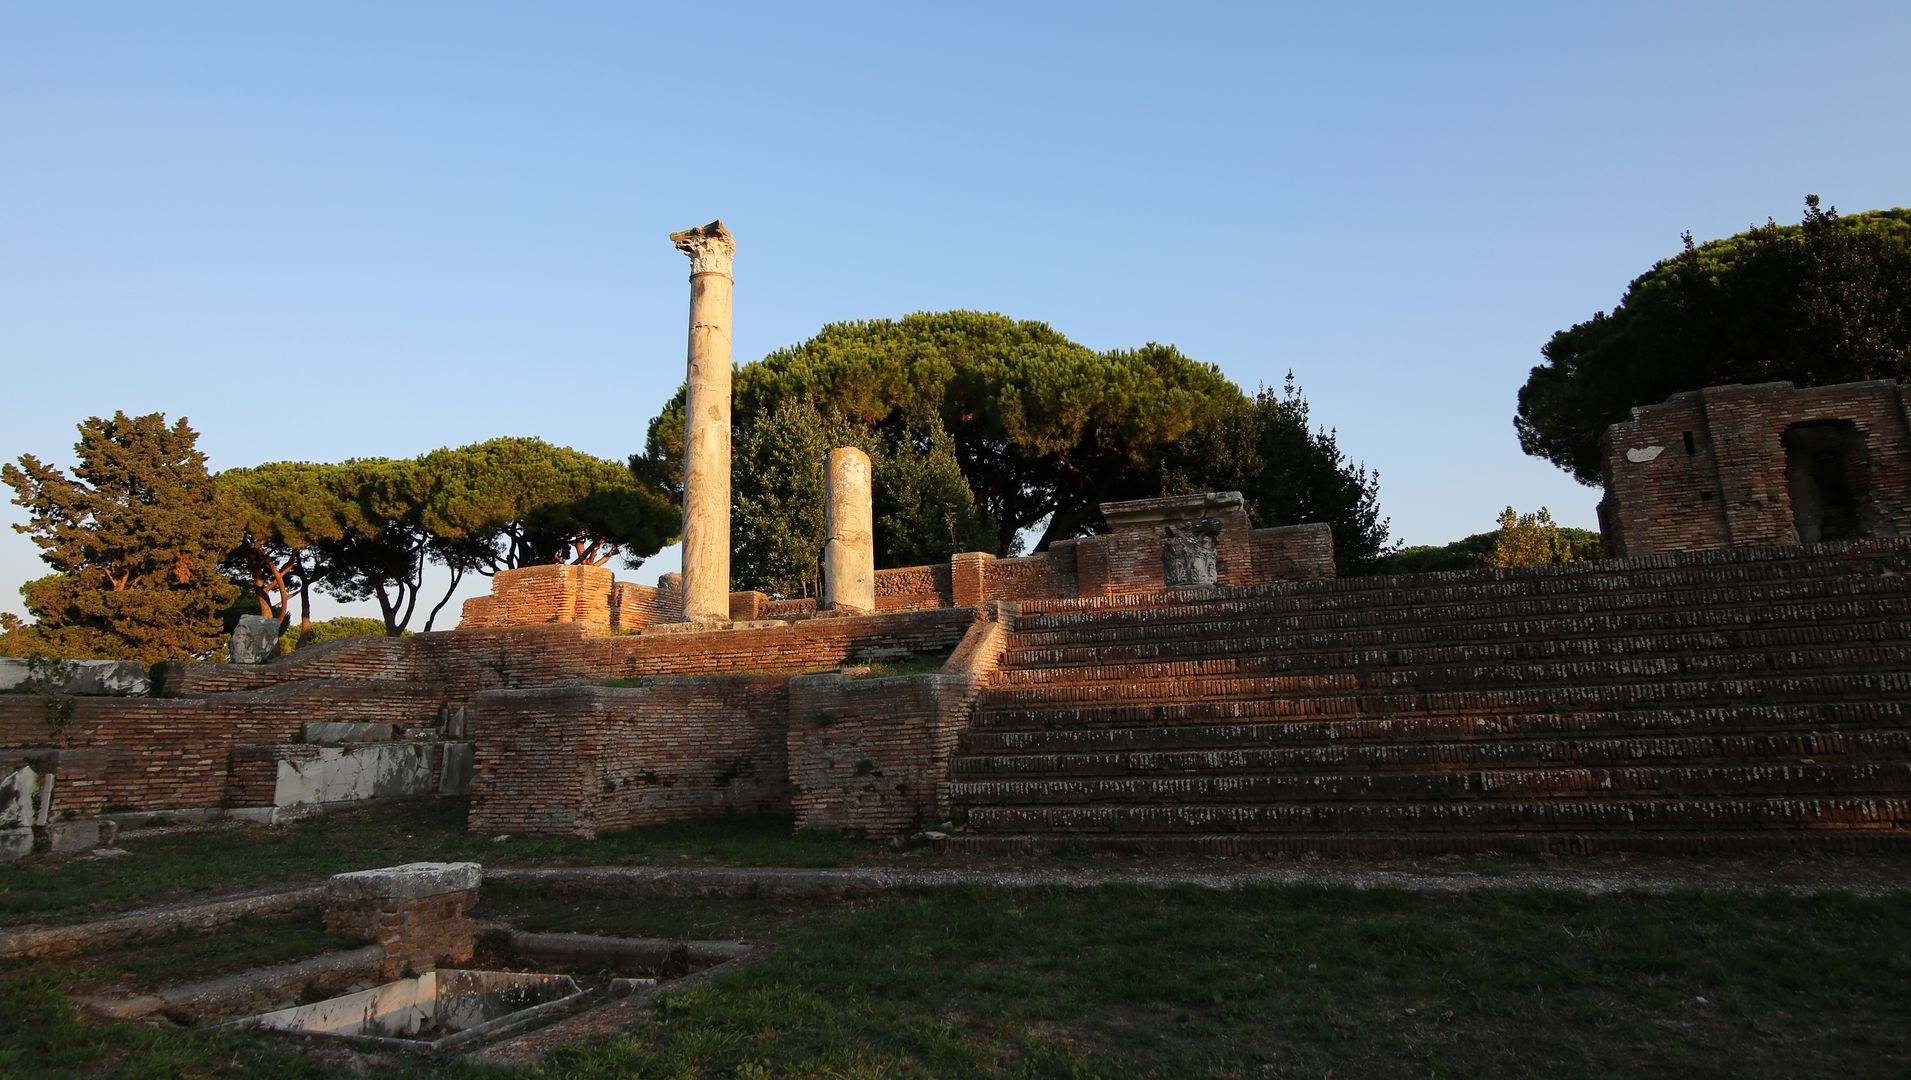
[345, 626]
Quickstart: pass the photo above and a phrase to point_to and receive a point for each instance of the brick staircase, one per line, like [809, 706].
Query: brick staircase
[1727, 700]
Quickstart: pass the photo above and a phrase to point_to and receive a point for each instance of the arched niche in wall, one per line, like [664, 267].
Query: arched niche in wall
[1828, 475]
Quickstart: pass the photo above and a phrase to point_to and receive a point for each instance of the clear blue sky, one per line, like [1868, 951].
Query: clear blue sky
[354, 229]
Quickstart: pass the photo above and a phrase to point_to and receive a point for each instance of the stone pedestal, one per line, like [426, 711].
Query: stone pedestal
[419, 913]
[706, 424]
[849, 539]
[1171, 543]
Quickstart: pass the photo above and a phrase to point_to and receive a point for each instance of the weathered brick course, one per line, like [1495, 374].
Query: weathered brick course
[1707, 469]
[1125, 562]
[417, 934]
[580, 760]
[872, 755]
[1723, 694]
[123, 754]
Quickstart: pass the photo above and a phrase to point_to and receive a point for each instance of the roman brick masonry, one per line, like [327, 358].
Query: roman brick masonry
[872, 755]
[1183, 682]
[122, 754]
[1745, 698]
[1129, 559]
[1763, 464]
[580, 760]
[418, 914]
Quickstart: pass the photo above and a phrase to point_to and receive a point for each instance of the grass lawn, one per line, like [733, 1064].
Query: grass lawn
[1121, 981]
[1112, 982]
[1306, 983]
[177, 865]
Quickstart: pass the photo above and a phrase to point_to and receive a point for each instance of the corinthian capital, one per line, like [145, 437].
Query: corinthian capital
[711, 248]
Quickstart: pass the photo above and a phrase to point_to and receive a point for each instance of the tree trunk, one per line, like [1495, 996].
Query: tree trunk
[457, 574]
[305, 609]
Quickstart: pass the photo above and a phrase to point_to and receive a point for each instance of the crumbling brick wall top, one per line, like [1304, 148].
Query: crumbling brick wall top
[555, 593]
[1129, 559]
[1725, 466]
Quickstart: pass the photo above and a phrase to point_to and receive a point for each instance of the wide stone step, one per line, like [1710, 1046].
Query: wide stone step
[1397, 844]
[1192, 729]
[1166, 682]
[1785, 746]
[1524, 583]
[1791, 691]
[1847, 598]
[1777, 563]
[1524, 815]
[1516, 642]
[1171, 682]
[1679, 781]
[1386, 668]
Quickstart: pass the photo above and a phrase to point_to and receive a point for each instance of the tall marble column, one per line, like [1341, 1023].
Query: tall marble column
[706, 424]
[849, 535]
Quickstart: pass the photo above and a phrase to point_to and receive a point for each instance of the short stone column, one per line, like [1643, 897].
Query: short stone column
[706, 424]
[419, 913]
[849, 535]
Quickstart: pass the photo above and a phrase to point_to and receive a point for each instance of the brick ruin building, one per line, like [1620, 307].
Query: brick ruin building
[1751, 697]
[1183, 682]
[1765, 464]
[1153, 545]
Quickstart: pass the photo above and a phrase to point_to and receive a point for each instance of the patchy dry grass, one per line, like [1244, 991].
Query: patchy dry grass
[924, 664]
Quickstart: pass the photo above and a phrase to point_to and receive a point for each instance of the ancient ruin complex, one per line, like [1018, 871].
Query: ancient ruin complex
[1183, 681]
[1764, 464]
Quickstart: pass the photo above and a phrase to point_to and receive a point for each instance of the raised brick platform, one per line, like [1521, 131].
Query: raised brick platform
[1749, 698]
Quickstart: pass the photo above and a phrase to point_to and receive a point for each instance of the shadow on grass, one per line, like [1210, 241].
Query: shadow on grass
[1305, 983]
[1187, 982]
[183, 864]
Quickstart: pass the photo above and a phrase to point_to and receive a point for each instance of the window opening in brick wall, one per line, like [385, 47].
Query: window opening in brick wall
[1826, 468]
[1691, 447]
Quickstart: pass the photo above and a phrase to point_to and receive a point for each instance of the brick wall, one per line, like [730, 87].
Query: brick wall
[385, 658]
[905, 588]
[797, 608]
[534, 656]
[870, 755]
[867, 754]
[531, 594]
[1030, 577]
[633, 606]
[1707, 469]
[912, 588]
[580, 760]
[1292, 553]
[464, 662]
[1119, 564]
[252, 777]
[174, 753]
[1125, 562]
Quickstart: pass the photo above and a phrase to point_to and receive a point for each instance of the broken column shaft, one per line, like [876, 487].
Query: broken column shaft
[706, 424]
[849, 539]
